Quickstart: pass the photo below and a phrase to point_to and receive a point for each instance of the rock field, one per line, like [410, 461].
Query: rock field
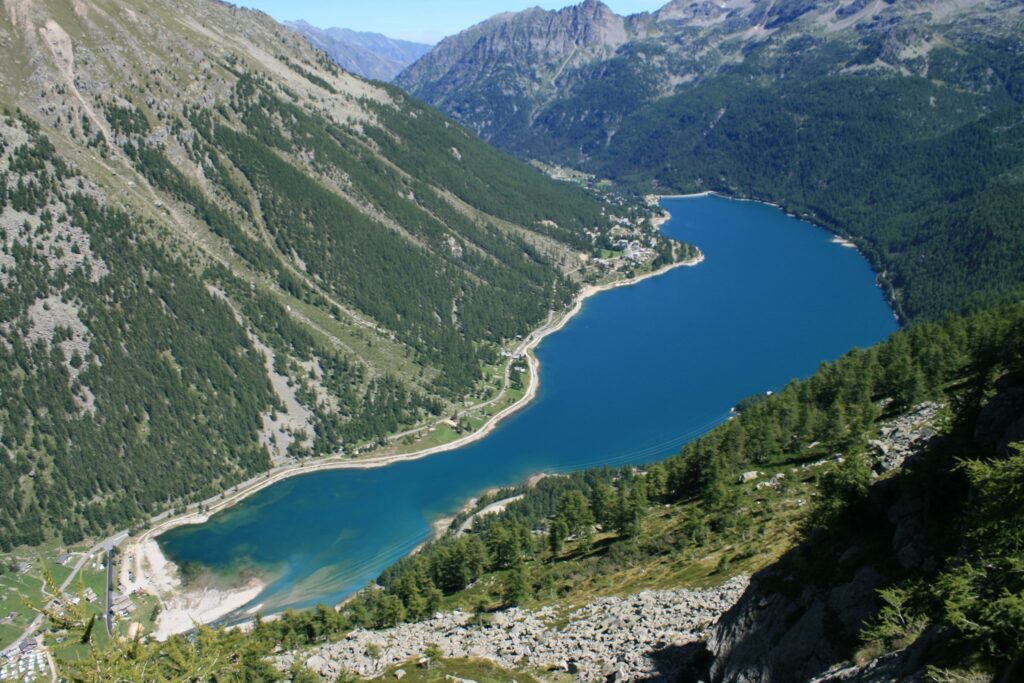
[610, 638]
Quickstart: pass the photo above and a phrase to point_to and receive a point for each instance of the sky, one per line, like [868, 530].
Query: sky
[425, 21]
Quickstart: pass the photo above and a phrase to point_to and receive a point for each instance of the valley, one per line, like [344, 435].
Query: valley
[896, 125]
[710, 311]
[605, 366]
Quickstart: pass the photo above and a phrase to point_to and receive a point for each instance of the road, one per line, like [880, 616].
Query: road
[496, 506]
[107, 545]
[107, 611]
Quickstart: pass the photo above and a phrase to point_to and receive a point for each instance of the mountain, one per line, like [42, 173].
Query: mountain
[488, 75]
[221, 252]
[370, 55]
[897, 125]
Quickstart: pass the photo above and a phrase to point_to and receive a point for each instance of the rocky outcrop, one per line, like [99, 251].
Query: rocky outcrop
[885, 669]
[774, 636]
[904, 435]
[797, 629]
[623, 638]
[490, 76]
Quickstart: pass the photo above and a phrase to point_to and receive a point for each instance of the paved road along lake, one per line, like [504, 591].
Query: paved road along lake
[640, 371]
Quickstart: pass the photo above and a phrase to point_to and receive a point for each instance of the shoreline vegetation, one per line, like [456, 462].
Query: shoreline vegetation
[146, 569]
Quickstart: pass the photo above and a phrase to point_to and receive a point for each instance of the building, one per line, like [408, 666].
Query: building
[122, 605]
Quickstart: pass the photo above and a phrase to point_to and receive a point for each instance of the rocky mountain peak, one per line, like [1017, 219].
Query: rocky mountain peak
[591, 24]
[697, 11]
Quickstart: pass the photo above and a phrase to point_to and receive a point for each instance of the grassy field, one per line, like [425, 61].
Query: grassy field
[25, 592]
[471, 421]
[95, 578]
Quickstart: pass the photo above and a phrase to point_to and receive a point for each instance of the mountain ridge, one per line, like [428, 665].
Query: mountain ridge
[793, 102]
[370, 55]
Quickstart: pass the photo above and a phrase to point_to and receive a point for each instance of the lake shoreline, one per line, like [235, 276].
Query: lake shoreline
[152, 572]
[682, 342]
[840, 238]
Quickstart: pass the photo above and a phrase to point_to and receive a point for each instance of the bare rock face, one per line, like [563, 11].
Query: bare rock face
[904, 435]
[560, 86]
[789, 636]
[885, 669]
[486, 75]
[690, 12]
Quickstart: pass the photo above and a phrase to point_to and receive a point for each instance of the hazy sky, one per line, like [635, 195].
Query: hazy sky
[421, 20]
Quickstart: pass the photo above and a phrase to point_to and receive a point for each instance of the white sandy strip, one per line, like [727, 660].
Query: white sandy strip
[181, 610]
[157, 575]
[844, 242]
[186, 610]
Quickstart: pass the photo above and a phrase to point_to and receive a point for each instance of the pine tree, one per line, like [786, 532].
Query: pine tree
[556, 536]
[517, 584]
[602, 503]
[632, 509]
[575, 512]
[503, 544]
[835, 431]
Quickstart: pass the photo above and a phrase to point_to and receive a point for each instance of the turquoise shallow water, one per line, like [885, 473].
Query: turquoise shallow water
[640, 371]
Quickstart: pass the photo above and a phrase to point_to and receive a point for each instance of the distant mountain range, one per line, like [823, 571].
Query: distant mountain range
[370, 55]
[897, 124]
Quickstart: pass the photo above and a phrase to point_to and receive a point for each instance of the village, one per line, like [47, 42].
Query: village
[76, 583]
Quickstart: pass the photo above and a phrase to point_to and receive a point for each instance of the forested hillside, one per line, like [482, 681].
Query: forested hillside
[895, 124]
[221, 252]
[929, 547]
[924, 177]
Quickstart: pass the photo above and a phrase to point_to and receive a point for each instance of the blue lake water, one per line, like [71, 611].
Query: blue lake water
[640, 371]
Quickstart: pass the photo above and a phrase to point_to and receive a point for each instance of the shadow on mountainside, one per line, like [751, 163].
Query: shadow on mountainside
[801, 618]
[675, 662]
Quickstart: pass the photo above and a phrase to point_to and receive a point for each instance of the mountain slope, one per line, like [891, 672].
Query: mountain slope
[370, 55]
[488, 75]
[878, 504]
[895, 124]
[222, 252]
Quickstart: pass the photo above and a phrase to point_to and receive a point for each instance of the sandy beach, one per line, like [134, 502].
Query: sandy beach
[187, 609]
[182, 609]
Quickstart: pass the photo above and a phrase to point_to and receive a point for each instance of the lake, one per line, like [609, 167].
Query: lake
[638, 373]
